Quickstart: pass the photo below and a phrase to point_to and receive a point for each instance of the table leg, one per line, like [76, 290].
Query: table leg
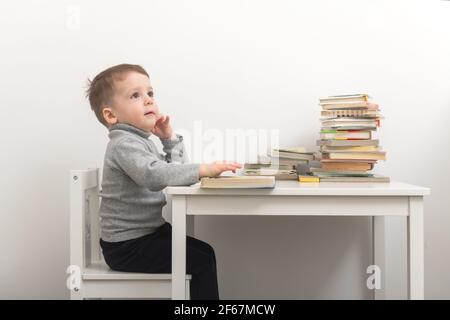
[390, 256]
[178, 247]
[415, 249]
[379, 254]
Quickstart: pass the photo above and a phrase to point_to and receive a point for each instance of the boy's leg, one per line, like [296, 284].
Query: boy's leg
[153, 254]
[201, 264]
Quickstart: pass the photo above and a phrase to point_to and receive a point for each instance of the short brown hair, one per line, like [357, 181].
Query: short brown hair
[101, 89]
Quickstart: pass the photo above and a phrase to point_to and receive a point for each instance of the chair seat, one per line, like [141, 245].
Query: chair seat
[100, 271]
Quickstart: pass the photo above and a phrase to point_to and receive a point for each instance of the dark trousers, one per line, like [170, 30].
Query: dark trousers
[153, 254]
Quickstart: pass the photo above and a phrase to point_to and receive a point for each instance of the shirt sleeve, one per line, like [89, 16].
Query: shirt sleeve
[147, 170]
[174, 149]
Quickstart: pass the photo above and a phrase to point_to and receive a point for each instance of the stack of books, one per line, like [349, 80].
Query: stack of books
[347, 148]
[291, 156]
[279, 163]
[280, 172]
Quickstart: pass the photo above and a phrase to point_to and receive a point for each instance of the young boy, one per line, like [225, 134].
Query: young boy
[134, 235]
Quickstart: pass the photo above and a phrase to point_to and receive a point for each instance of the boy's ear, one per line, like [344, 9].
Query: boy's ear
[109, 116]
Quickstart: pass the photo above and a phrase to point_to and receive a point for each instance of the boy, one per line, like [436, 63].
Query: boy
[134, 235]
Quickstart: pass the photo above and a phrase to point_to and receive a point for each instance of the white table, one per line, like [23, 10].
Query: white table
[290, 198]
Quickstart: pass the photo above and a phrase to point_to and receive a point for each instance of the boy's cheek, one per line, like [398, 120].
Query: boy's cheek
[159, 117]
[157, 111]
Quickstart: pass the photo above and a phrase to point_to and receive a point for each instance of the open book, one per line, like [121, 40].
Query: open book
[238, 182]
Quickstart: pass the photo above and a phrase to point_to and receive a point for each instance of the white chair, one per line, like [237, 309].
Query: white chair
[94, 279]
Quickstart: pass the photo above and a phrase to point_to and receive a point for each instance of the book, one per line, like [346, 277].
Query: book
[298, 153]
[345, 135]
[277, 175]
[347, 143]
[327, 170]
[307, 178]
[361, 105]
[375, 178]
[343, 166]
[361, 113]
[286, 161]
[268, 171]
[349, 149]
[268, 166]
[288, 173]
[349, 123]
[342, 174]
[378, 155]
[238, 182]
[346, 97]
[292, 155]
[349, 105]
[294, 149]
[346, 121]
[347, 127]
[346, 160]
[281, 162]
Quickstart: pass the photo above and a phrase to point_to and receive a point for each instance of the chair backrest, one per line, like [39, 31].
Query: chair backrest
[84, 217]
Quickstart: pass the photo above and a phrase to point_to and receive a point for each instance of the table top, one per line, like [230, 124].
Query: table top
[295, 188]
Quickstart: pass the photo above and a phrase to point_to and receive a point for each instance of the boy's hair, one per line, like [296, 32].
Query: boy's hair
[101, 89]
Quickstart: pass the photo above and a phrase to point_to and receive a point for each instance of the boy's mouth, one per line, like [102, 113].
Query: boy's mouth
[149, 113]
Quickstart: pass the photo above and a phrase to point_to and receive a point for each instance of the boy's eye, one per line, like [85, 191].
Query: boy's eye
[135, 95]
[150, 93]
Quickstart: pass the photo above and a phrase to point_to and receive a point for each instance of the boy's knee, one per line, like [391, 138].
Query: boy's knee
[205, 247]
[212, 255]
[210, 249]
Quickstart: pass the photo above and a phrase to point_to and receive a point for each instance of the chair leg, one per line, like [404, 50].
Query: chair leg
[188, 291]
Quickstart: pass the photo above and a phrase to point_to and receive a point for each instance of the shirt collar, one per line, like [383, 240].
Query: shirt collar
[130, 128]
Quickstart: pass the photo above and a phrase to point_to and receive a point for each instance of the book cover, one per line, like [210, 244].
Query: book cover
[375, 178]
[346, 97]
[380, 155]
[347, 143]
[344, 166]
[345, 135]
[238, 182]
[308, 179]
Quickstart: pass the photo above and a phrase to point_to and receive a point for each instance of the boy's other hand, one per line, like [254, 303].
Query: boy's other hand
[216, 168]
[163, 129]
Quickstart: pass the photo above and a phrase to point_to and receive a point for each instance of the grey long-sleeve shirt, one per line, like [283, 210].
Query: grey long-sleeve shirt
[134, 175]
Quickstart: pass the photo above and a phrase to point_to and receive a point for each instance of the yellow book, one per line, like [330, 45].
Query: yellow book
[308, 179]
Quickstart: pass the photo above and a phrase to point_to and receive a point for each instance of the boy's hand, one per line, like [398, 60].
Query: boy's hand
[216, 168]
[163, 129]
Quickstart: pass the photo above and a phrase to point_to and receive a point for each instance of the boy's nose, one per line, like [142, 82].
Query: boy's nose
[148, 101]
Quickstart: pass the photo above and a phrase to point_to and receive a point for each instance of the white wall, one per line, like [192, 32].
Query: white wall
[231, 64]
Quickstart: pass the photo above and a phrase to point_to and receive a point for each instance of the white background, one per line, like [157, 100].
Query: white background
[231, 65]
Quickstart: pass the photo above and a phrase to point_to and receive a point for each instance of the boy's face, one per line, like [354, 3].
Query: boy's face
[133, 102]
